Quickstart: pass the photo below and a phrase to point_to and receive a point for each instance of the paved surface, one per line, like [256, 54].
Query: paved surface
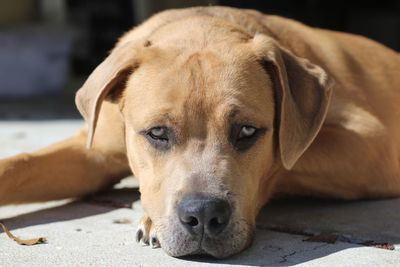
[99, 231]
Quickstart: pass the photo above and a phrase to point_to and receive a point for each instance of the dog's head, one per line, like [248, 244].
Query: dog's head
[206, 126]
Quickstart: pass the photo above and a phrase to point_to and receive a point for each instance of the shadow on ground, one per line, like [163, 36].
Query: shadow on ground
[89, 206]
[282, 226]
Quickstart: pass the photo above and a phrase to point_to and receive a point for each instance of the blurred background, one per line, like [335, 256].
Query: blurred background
[49, 47]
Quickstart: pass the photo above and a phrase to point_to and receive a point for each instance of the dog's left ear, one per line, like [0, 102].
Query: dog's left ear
[302, 94]
[111, 74]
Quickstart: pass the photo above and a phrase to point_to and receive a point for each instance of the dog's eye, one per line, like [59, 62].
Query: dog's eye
[160, 137]
[242, 137]
[246, 131]
[158, 133]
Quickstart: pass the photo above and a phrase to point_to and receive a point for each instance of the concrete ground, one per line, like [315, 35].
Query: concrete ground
[100, 230]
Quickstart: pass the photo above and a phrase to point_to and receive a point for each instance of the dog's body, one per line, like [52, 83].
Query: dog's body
[218, 106]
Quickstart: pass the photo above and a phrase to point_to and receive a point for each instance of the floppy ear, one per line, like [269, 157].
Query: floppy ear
[302, 96]
[110, 74]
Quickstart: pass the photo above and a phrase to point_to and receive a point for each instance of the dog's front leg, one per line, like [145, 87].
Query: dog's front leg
[63, 170]
[146, 233]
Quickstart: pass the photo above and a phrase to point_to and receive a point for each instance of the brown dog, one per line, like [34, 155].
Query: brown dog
[215, 109]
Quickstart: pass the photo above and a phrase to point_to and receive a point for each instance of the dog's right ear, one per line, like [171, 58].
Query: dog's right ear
[302, 94]
[110, 74]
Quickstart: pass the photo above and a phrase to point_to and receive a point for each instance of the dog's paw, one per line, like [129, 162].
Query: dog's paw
[146, 233]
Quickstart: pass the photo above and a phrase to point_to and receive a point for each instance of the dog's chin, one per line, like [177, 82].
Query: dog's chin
[177, 242]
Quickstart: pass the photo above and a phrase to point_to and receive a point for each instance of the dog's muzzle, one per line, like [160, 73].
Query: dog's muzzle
[203, 223]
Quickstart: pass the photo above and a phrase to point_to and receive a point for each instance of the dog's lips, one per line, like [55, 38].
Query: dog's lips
[177, 242]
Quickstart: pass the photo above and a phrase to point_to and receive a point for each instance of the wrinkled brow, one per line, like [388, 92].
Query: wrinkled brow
[244, 114]
[160, 118]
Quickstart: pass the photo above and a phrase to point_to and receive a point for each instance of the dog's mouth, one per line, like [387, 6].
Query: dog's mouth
[177, 241]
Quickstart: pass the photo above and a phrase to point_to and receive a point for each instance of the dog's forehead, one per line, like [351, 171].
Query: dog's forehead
[198, 83]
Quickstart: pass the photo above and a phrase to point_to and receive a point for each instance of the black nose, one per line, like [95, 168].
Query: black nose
[201, 214]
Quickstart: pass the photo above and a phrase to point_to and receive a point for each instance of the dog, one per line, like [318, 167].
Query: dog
[215, 110]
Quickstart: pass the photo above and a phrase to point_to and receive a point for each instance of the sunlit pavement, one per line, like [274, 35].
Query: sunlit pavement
[100, 230]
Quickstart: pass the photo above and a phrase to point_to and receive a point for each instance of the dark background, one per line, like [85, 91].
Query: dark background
[75, 36]
[104, 21]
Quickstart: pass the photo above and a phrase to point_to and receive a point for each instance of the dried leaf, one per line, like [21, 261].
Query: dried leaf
[385, 245]
[323, 238]
[27, 242]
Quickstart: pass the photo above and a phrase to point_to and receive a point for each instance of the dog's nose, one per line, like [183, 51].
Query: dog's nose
[200, 214]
